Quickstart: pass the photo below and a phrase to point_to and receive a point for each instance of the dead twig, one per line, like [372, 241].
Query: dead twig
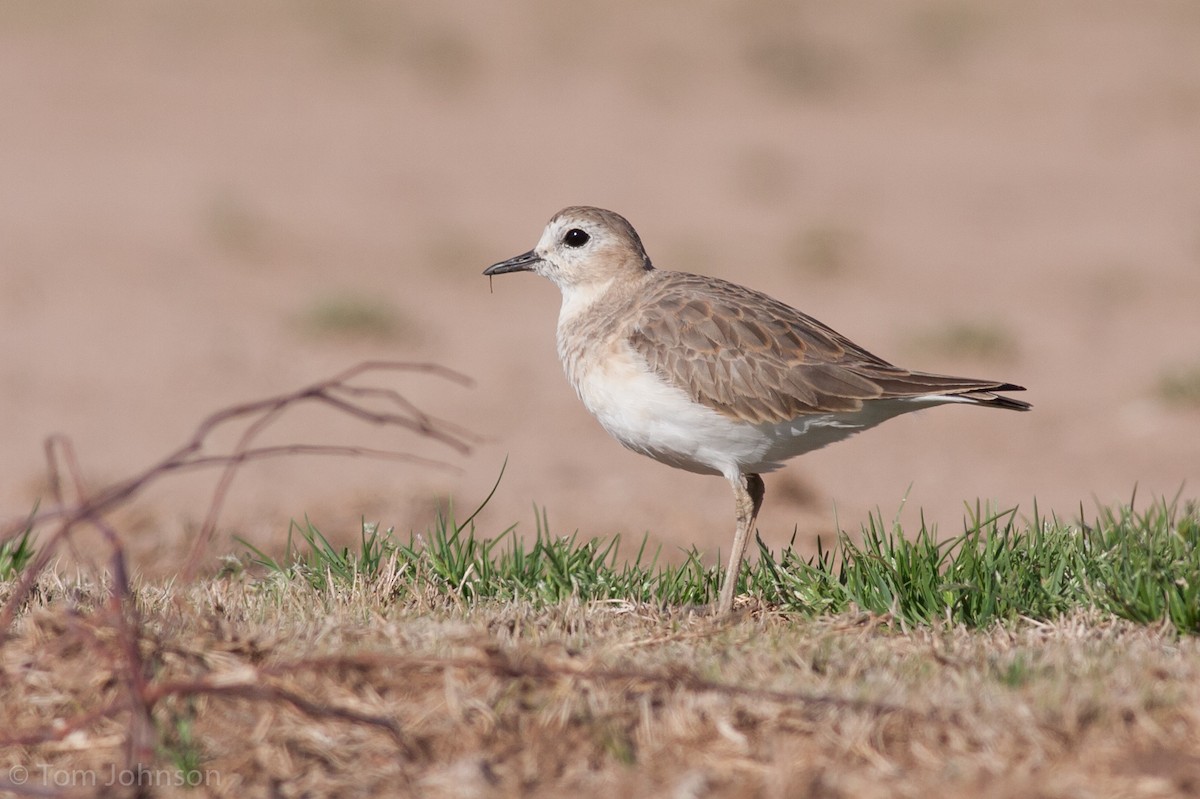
[337, 393]
[89, 509]
[75, 505]
[504, 664]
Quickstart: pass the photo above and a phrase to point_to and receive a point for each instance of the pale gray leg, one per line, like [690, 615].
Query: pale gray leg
[748, 492]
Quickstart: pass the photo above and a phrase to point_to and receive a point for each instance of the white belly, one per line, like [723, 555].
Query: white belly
[650, 416]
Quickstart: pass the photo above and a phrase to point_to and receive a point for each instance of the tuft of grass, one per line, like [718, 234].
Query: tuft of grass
[16, 552]
[984, 341]
[322, 564]
[1143, 566]
[453, 560]
[1181, 387]
[946, 31]
[1015, 672]
[996, 570]
[178, 744]
[824, 250]
[801, 66]
[353, 316]
[439, 54]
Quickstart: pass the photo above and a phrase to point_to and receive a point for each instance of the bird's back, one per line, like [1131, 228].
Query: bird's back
[752, 357]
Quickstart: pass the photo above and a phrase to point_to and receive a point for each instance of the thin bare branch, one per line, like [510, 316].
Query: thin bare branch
[137, 690]
[335, 392]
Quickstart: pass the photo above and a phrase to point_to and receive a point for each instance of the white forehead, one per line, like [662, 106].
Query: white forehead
[553, 233]
[557, 228]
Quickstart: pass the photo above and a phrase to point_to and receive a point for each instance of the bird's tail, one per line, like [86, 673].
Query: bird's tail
[954, 389]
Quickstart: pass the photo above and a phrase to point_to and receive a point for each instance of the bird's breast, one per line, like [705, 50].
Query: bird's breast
[649, 415]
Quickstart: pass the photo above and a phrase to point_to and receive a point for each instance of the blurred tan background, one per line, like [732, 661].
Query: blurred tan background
[204, 203]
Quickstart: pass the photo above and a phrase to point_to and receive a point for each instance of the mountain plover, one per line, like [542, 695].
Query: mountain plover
[709, 376]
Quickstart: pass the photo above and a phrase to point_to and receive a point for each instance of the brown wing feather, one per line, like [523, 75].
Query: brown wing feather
[694, 330]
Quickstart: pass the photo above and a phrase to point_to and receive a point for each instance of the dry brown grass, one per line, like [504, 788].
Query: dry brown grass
[244, 685]
[240, 685]
[271, 688]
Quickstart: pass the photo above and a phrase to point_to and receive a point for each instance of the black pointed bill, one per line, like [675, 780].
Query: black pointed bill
[525, 262]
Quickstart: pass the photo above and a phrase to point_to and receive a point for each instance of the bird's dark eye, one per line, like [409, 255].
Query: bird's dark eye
[576, 238]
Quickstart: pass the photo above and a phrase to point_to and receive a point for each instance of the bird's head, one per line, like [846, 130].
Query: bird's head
[580, 247]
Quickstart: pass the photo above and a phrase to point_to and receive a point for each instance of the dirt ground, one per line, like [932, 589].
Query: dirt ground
[208, 203]
[278, 690]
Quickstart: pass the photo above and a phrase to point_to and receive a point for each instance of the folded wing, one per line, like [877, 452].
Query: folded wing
[756, 359]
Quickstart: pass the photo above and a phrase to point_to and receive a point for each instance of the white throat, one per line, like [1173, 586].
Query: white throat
[576, 299]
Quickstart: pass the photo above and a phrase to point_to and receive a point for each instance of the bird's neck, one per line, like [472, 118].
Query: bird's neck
[591, 320]
[583, 299]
